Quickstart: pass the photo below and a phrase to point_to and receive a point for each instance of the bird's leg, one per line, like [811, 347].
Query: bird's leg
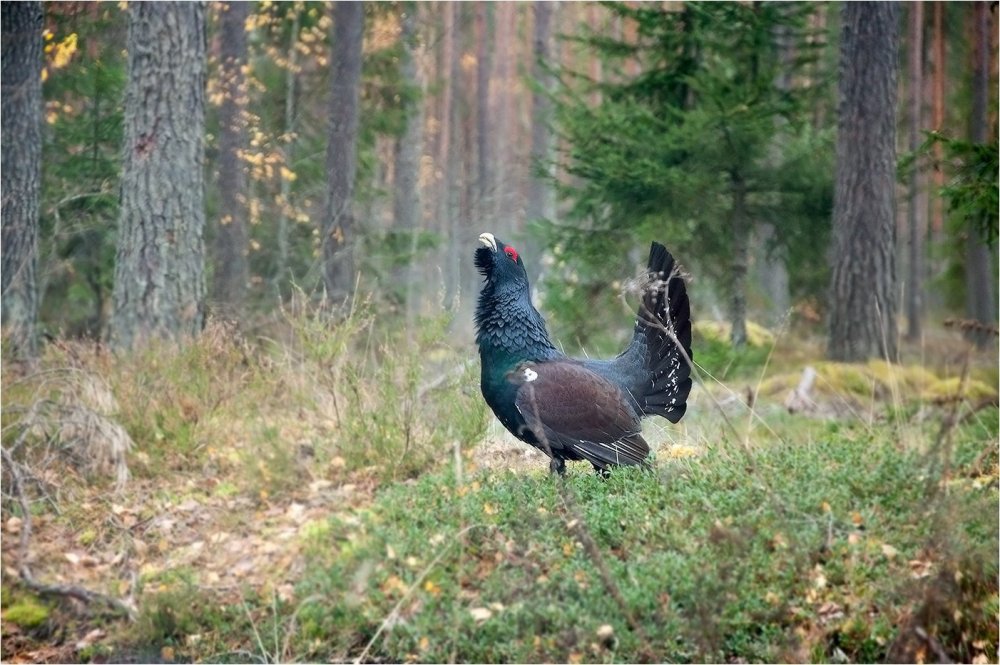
[557, 466]
[602, 472]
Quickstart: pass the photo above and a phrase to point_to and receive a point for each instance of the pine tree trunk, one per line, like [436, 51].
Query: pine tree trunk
[541, 197]
[407, 207]
[980, 275]
[341, 156]
[917, 211]
[937, 121]
[231, 240]
[863, 307]
[740, 266]
[159, 269]
[291, 76]
[21, 171]
[448, 194]
[484, 119]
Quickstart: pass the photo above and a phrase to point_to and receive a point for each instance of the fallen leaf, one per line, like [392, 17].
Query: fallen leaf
[168, 654]
[605, 632]
[90, 638]
[14, 525]
[889, 551]
[480, 614]
[919, 568]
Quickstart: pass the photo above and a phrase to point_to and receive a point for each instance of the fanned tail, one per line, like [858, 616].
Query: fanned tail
[664, 308]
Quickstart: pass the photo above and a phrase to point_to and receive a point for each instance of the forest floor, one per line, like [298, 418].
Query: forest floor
[864, 528]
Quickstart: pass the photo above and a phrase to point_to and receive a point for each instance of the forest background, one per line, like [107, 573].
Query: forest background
[237, 244]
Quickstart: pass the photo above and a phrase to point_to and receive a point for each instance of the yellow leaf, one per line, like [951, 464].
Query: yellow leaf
[288, 174]
[825, 506]
[167, 653]
[489, 509]
[889, 551]
[856, 518]
[424, 643]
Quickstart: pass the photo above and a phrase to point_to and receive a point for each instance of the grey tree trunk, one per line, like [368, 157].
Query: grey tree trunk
[159, 286]
[407, 207]
[281, 262]
[231, 240]
[980, 275]
[484, 119]
[21, 170]
[863, 292]
[541, 197]
[917, 204]
[341, 155]
[740, 227]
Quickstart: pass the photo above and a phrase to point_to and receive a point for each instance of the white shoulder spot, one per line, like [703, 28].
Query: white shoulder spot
[530, 374]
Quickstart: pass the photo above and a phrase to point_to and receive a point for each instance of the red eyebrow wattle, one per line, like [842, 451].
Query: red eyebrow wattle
[511, 252]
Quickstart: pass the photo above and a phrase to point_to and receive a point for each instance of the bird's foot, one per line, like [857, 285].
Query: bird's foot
[557, 466]
[602, 472]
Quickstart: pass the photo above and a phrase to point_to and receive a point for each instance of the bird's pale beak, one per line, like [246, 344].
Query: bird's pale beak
[488, 240]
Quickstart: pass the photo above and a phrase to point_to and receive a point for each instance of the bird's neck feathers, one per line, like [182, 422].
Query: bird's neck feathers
[509, 329]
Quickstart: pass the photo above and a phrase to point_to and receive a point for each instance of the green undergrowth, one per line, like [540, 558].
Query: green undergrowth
[835, 544]
[334, 393]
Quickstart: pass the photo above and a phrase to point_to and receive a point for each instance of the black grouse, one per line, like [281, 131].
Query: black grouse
[575, 409]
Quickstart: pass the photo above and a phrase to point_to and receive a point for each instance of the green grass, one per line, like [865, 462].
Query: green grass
[792, 551]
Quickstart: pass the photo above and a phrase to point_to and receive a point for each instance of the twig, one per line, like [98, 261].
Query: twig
[67, 590]
[578, 526]
[420, 578]
[935, 646]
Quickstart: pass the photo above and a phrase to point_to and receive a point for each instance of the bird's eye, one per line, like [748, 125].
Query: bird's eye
[511, 252]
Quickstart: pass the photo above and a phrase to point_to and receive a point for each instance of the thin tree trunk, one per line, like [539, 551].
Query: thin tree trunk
[541, 197]
[445, 165]
[863, 311]
[231, 238]
[407, 208]
[291, 75]
[937, 106]
[341, 156]
[484, 128]
[917, 211]
[505, 18]
[740, 228]
[21, 171]
[980, 277]
[159, 268]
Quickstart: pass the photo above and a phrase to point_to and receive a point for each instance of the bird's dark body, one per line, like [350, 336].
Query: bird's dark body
[580, 409]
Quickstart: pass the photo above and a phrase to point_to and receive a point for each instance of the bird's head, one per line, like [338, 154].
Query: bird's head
[500, 264]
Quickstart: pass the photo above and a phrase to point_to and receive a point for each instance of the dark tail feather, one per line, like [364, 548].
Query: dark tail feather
[665, 307]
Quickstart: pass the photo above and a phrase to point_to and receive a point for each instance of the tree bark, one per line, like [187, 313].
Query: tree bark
[917, 210]
[484, 128]
[541, 197]
[863, 311]
[231, 239]
[291, 76]
[407, 207]
[740, 228]
[159, 269]
[21, 169]
[980, 276]
[341, 156]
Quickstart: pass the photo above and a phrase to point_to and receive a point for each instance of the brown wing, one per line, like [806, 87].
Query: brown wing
[578, 413]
